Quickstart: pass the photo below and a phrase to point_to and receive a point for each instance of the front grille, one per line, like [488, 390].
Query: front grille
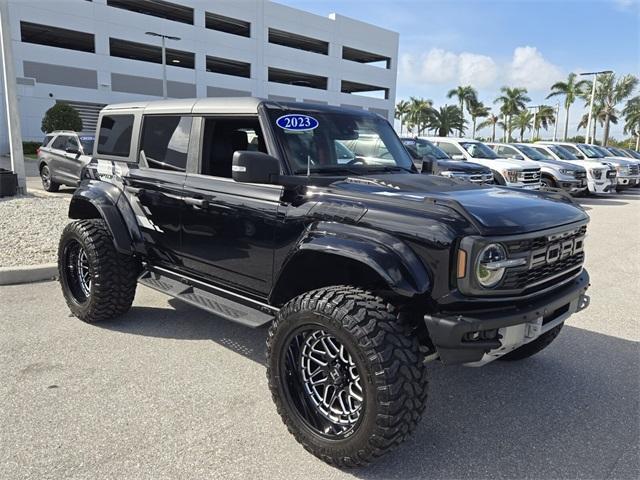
[530, 176]
[481, 178]
[634, 170]
[550, 259]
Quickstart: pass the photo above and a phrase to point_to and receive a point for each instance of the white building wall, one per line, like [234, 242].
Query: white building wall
[106, 21]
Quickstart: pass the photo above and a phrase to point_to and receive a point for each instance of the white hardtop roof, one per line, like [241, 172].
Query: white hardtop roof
[192, 105]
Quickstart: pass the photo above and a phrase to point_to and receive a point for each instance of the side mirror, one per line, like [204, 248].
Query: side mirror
[73, 150]
[457, 156]
[516, 156]
[254, 167]
[427, 164]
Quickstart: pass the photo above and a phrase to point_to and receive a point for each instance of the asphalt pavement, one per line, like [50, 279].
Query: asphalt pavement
[168, 391]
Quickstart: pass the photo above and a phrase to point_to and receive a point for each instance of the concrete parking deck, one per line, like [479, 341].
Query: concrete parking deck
[169, 391]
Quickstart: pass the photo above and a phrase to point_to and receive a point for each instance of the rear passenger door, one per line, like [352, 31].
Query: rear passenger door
[56, 159]
[155, 187]
[228, 228]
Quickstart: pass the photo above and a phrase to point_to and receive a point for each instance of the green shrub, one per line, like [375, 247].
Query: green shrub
[61, 117]
[29, 148]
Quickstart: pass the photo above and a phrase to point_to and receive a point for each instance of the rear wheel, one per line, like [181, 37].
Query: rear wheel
[347, 378]
[531, 348]
[47, 182]
[98, 283]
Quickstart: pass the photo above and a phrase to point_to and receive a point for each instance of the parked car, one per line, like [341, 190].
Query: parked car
[512, 173]
[626, 175]
[363, 270]
[430, 159]
[61, 157]
[632, 153]
[554, 173]
[633, 166]
[601, 176]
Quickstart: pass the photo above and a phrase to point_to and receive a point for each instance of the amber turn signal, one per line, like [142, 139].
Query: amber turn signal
[462, 263]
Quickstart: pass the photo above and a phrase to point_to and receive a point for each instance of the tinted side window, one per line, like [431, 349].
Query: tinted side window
[114, 137]
[46, 140]
[60, 143]
[449, 148]
[165, 142]
[543, 152]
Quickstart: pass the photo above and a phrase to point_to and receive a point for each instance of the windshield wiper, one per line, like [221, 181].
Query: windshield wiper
[396, 168]
[331, 169]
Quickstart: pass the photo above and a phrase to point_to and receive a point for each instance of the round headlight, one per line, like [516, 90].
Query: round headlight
[487, 273]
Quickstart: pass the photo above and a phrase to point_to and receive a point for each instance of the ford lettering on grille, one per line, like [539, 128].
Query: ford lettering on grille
[557, 251]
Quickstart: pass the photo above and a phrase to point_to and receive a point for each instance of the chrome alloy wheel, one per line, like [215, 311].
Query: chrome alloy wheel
[328, 392]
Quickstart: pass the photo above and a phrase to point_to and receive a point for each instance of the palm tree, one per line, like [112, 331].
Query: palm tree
[420, 112]
[465, 95]
[477, 110]
[598, 116]
[631, 114]
[610, 93]
[545, 116]
[570, 89]
[402, 109]
[523, 121]
[513, 101]
[446, 120]
[491, 121]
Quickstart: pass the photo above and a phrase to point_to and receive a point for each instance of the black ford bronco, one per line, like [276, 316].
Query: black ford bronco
[260, 212]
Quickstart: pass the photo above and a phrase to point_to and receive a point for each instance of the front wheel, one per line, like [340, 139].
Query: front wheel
[347, 378]
[47, 182]
[98, 283]
[547, 182]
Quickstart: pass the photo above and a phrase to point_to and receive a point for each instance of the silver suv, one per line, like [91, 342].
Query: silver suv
[61, 157]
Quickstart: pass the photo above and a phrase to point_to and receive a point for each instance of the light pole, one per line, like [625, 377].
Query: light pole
[593, 96]
[535, 113]
[555, 124]
[164, 58]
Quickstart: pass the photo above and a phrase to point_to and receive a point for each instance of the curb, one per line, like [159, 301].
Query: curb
[28, 274]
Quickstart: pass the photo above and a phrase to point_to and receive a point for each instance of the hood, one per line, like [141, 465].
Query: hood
[496, 163]
[462, 166]
[493, 210]
[560, 164]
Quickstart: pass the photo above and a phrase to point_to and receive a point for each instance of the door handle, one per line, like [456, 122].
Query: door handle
[196, 202]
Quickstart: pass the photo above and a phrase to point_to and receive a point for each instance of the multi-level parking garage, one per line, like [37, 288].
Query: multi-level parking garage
[91, 53]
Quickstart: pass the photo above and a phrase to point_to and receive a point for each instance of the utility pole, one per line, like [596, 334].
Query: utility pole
[164, 58]
[13, 112]
[593, 96]
[555, 124]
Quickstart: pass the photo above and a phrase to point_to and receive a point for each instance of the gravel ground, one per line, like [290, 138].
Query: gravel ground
[30, 228]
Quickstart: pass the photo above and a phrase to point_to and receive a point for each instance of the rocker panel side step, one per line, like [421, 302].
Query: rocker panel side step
[208, 297]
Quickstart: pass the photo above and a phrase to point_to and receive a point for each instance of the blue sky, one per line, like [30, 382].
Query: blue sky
[488, 43]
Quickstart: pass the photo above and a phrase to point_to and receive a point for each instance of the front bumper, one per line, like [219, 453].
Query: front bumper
[607, 185]
[572, 185]
[478, 338]
[627, 181]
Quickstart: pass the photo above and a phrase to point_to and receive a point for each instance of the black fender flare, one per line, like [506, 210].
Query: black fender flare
[113, 207]
[392, 259]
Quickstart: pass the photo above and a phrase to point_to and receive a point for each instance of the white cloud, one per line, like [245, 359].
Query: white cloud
[527, 68]
[443, 67]
[625, 4]
[531, 70]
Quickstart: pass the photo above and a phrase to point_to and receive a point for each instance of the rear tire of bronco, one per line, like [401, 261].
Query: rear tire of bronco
[531, 348]
[98, 283]
[347, 378]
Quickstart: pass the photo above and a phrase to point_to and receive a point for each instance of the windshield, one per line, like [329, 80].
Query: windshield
[562, 153]
[87, 144]
[327, 142]
[478, 150]
[617, 152]
[531, 153]
[589, 151]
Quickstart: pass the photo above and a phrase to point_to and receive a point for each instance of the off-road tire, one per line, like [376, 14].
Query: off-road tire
[531, 348]
[391, 368]
[47, 183]
[113, 275]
